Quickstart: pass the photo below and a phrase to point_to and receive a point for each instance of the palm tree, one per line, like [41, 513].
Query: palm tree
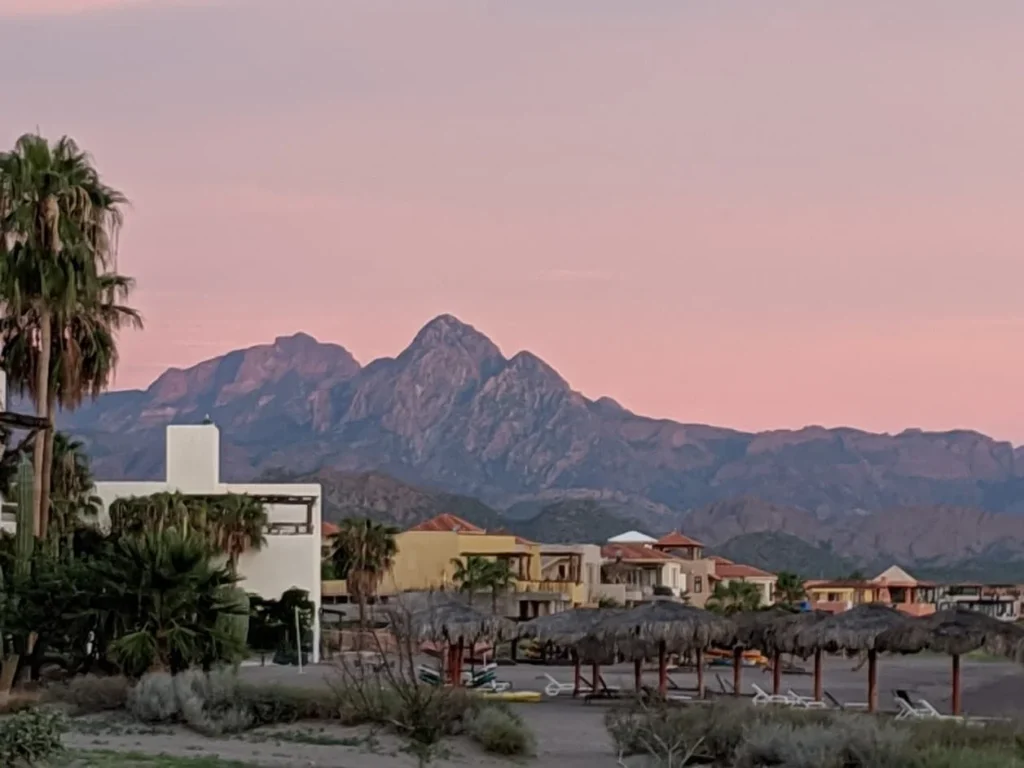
[74, 501]
[235, 525]
[499, 578]
[58, 235]
[363, 552]
[471, 574]
[734, 596]
[789, 589]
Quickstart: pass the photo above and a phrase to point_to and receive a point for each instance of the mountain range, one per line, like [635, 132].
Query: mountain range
[452, 415]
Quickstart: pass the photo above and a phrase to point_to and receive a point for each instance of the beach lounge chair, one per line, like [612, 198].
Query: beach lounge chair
[485, 678]
[806, 702]
[921, 709]
[762, 697]
[848, 706]
[556, 687]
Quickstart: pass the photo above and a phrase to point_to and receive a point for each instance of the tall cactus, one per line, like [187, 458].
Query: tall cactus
[25, 535]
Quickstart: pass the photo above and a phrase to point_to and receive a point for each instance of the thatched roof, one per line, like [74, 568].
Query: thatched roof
[768, 629]
[566, 627]
[852, 631]
[681, 627]
[955, 631]
[445, 617]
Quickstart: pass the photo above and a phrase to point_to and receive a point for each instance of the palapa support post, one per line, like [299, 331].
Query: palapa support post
[737, 669]
[817, 675]
[514, 650]
[872, 681]
[453, 665]
[662, 669]
[459, 653]
[700, 673]
[776, 674]
[595, 679]
[575, 674]
[638, 676]
[956, 684]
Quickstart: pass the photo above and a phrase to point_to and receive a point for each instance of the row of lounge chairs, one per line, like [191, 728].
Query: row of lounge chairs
[484, 678]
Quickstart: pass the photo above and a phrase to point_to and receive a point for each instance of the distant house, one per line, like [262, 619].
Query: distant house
[894, 586]
[642, 571]
[726, 571]
[699, 570]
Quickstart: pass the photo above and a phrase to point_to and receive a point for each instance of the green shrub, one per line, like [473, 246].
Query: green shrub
[89, 693]
[30, 737]
[949, 734]
[942, 757]
[501, 731]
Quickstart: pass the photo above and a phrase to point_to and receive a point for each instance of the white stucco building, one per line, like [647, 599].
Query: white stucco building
[291, 555]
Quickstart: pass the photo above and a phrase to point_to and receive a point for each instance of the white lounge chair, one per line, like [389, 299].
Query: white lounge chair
[762, 697]
[556, 687]
[847, 706]
[806, 702]
[922, 709]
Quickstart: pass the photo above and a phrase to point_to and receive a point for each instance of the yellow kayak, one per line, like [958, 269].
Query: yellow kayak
[522, 697]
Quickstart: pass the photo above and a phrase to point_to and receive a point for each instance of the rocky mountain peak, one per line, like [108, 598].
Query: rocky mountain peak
[448, 332]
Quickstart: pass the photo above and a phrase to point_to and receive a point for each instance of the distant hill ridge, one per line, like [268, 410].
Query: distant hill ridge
[452, 412]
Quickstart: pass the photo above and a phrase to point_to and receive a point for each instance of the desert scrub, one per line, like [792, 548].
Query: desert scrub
[30, 737]
[714, 732]
[89, 694]
[859, 743]
[501, 731]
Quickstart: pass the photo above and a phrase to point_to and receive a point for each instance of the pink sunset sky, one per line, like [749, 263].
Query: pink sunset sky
[757, 215]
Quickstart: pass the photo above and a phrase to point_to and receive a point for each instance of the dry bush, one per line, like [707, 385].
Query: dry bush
[500, 731]
[90, 694]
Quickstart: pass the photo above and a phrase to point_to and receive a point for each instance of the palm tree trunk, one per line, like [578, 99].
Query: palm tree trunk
[44, 504]
[42, 406]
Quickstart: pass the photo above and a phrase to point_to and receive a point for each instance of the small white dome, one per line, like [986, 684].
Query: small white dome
[632, 537]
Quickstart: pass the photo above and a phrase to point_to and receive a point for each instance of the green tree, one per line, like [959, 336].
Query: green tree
[363, 552]
[167, 599]
[58, 233]
[73, 501]
[236, 524]
[472, 574]
[499, 578]
[734, 596]
[789, 589]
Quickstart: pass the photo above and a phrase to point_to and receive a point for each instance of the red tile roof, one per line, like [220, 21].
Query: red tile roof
[632, 552]
[328, 529]
[676, 539]
[447, 523]
[720, 560]
[737, 571]
[519, 539]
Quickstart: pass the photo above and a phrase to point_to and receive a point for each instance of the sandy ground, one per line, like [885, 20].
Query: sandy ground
[570, 734]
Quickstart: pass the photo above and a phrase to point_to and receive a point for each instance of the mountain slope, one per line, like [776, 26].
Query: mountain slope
[774, 552]
[452, 412]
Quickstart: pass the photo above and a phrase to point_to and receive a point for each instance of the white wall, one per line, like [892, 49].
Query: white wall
[286, 561]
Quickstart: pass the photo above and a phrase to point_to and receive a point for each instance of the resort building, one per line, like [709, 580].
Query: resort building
[292, 553]
[641, 572]
[699, 570]
[893, 586]
[547, 577]
[726, 571]
[1000, 601]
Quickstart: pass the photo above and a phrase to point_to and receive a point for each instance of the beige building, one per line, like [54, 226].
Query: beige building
[699, 570]
[727, 571]
[642, 573]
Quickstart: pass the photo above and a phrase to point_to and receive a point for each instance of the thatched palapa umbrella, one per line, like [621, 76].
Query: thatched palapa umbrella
[669, 627]
[955, 632]
[764, 629]
[572, 628]
[443, 617]
[852, 631]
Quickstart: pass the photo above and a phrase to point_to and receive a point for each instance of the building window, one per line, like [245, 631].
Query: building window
[561, 575]
[698, 584]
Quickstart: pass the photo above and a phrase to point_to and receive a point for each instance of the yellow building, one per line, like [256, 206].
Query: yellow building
[548, 578]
